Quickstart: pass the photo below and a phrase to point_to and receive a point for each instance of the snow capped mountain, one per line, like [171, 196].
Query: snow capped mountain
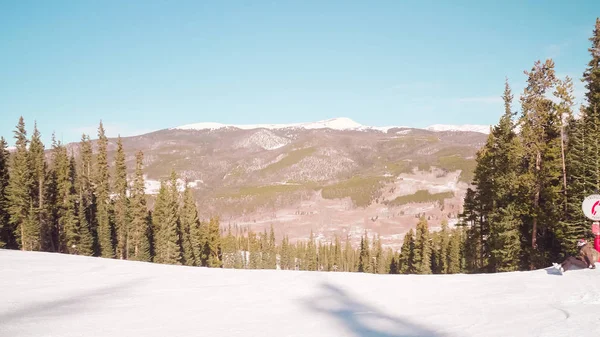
[466, 127]
[341, 123]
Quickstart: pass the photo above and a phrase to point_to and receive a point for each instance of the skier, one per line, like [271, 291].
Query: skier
[586, 259]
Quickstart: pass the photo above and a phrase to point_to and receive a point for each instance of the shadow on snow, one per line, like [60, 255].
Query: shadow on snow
[363, 320]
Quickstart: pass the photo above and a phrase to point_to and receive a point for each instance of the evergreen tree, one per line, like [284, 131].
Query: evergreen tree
[170, 233]
[102, 190]
[212, 248]
[444, 247]
[406, 260]
[311, 253]
[27, 232]
[38, 166]
[87, 208]
[286, 254]
[86, 240]
[6, 236]
[540, 132]
[506, 153]
[574, 224]
[364, 257]
[190, 228]
[454, 252]
[140, 229]
[271, 251]
[422, 248]
[121, 203]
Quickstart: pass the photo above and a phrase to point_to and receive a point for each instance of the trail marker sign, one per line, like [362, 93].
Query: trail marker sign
[591, 207]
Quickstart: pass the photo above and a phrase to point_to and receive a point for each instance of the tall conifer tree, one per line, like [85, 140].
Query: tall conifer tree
[6, 236]
[140, 229]
[121, 203]
[102, 194]
[18, 193]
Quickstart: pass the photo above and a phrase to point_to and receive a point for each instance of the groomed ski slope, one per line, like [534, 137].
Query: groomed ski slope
[45, 294]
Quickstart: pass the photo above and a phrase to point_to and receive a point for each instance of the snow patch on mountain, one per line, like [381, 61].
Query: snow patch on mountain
[341, 123]
[264, 139]
[466, 127]
[151, 186]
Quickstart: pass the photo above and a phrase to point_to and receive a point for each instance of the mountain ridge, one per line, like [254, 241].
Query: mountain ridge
[338, 123]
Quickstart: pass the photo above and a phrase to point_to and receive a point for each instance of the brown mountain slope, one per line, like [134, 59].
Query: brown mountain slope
[327, 181]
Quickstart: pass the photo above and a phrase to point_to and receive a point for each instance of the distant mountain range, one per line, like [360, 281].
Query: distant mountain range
[330, 177]
[341, 123]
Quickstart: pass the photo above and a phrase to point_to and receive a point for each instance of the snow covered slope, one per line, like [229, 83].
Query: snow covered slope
[46, 294]
[341, 123]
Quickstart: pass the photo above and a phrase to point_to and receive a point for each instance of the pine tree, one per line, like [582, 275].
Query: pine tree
[62, 208]
[422, 248]
[380, 264]
[139, 244]
[574, 224]
[102, 190]
[271, 250]
[506, 153]
[406, 260]
[158, 222]
[121, 203]
[87, 207]
[454, 252]
[286, 254]
[170, 229]
[190, 228]
[18, 194]
[86, 240]
[38, 166]
[540, 133]
[6, 236]
[348, 255]
[444, 247]
[311, 253]
[212, 248]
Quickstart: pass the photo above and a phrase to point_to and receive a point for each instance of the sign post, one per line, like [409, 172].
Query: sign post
[591, 209]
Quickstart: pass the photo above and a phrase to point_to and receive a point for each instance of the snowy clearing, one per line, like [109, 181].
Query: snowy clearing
[45, 294]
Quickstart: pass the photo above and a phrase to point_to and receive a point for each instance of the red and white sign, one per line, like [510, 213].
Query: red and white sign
[591, 207]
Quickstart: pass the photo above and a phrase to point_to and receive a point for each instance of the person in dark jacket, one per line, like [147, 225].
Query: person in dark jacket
[587, 257]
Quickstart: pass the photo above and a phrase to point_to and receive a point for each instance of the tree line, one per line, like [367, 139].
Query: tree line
[56, 202]
[537, 166]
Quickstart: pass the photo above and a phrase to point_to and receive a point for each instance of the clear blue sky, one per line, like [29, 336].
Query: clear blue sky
[146, 65]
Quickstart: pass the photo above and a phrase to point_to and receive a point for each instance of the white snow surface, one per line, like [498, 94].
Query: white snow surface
[340, 123]
[48, 294]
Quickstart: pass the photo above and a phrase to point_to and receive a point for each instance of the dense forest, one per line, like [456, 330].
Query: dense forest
[523, 210]
[538, 165]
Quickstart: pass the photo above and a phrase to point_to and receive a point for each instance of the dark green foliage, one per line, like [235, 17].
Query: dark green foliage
[166, 224]
[103, 204]
[6, 235]
[122, 205]
[364, 258]
[212, 244]
[38, 166]
[139, 245]
[422, 248]
[190, 227]
[406, 260]
[26, 231]
[87, 207]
